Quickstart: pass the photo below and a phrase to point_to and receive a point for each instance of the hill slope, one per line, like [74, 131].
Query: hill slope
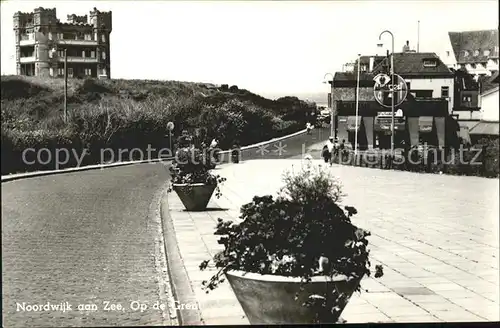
[119, 114]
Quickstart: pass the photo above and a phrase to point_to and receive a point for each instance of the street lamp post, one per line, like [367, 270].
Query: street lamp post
[65, 83]
[333, 128]
[357, 109]
[392, 88]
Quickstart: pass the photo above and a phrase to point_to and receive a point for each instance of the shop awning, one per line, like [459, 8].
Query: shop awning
[351, 123]
[486, 128]
[425, 123]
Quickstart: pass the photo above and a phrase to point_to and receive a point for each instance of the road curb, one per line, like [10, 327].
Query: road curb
[181, 286]
[11, 177]
[267, 142]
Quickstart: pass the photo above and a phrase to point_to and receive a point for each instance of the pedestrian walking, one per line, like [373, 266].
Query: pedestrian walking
[342, 150]
[214, 143]
[308, 127]
[330, 146]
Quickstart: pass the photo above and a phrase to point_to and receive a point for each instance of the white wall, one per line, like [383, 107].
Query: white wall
[467, 115]
[447, 55]
[434, 85]
[489, 107]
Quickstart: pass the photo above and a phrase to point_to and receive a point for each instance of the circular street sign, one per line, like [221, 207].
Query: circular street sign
[383, 89]
[170, 126]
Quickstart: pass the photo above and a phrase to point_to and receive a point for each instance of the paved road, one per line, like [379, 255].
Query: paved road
[90, 237]
[83, 238]
[294, 147]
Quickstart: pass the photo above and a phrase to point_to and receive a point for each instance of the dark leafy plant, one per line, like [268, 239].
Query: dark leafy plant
[191, 166]
[303, 232]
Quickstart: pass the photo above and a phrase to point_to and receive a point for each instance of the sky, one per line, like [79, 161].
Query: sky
[272, 48]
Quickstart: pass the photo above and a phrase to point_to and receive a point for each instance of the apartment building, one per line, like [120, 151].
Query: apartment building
[44, 43]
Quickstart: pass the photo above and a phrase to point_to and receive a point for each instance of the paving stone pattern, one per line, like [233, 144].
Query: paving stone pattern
[84, 238]
[435, 235]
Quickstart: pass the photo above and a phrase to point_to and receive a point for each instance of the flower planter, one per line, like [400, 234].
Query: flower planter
[194, 197]
[270, 299]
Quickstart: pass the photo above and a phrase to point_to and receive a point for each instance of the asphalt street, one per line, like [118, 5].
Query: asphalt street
[84, 238]
[94, 239]
[294, 147]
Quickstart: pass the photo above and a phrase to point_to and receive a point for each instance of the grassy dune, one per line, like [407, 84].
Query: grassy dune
[120, 114]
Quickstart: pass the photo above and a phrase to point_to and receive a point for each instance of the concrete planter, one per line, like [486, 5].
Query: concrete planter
[270, 299]
[194, 197]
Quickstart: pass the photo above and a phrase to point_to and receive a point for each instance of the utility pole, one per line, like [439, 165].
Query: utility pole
[65, 85]
[357, 109]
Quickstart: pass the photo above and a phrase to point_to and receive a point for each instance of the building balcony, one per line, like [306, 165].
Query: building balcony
[69, 42]
[23, 60]
[467, 100]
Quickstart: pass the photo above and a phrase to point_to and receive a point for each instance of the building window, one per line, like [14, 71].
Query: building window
[467, 99]
[92, 54]
[423, 93]
[430, 63]
[88, 71]
[103, 38]
[88, 37]
[50, 35]
[476, 52]
[445, 92]
[103, 55]
[51, 71]
[83, 53]
[486, 52]
[473, 66]
[60, 71]
[60, 53]
[70, 71]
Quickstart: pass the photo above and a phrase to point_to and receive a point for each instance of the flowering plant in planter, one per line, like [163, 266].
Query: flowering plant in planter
[304, 233]
[192, 179]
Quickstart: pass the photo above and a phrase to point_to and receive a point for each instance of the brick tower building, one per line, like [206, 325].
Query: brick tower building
[42, 42]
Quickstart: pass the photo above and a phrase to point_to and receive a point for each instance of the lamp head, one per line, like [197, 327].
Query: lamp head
[380, 45]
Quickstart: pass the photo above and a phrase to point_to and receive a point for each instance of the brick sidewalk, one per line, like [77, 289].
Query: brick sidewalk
[437, 237]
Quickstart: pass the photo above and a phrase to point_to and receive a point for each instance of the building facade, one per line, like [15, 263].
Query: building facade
[490, 102]
[43, 41]
[426, 116]
[474, 51]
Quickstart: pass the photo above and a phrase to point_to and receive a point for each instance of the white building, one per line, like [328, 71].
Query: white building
[489, 101]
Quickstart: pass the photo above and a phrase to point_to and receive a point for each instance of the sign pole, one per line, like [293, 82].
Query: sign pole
[392, 97]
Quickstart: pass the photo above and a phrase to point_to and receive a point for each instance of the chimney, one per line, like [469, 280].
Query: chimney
[372, 60]
[406, 48]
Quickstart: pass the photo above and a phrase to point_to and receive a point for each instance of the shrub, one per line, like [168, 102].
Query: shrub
[303, 232]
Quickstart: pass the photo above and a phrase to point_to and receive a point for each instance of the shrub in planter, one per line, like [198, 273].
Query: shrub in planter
[296, 257]
[192, 179]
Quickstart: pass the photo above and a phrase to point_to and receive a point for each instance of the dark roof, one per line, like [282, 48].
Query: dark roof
[494, 77]
[349, 76]
[412, 64]
[471, 41]
[486, 128]
[405, 64]
[488, 83]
